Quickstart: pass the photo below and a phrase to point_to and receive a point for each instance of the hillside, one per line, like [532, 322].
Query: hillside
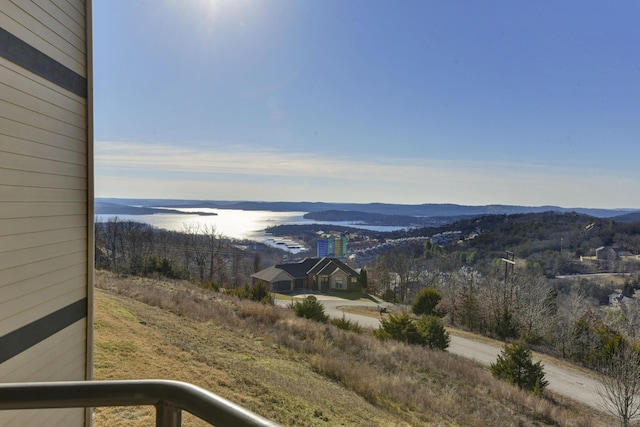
[351, 209]
[291, 370]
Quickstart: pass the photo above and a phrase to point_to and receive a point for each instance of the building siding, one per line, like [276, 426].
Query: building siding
[46, 199]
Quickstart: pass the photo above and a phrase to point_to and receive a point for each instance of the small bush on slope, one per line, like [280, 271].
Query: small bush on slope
[426, 302]
[515, 366]
[310, 308]
[428, 331]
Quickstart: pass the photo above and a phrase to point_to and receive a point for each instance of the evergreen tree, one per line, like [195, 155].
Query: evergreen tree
[399, 327]
[426, 302]
[310, 308]
[363, 280]
[515, 366]
[432, 330]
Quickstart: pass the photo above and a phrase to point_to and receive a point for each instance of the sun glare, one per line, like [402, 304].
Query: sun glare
[209, 16]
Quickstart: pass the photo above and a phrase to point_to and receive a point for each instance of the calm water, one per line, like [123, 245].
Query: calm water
[234, 223]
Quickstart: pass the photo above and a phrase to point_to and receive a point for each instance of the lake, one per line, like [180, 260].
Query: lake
[233, 223]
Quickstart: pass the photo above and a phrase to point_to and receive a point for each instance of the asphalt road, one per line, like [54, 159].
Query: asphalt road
[562, 380]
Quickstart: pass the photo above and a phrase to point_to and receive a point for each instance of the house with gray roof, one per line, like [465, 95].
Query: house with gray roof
[313, 274]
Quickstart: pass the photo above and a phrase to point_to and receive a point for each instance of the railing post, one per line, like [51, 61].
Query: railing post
[167, 415]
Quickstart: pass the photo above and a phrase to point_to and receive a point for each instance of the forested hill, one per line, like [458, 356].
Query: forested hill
[552, 238]
[348, 209]
[377, 219]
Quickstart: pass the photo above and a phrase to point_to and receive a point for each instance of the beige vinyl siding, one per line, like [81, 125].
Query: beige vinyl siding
[46, 201]
[49, 354]
[29, 239]
[42, 90]
[58, 358]
[43, 418]
[21, 289]
[39, 300]
[30, 22]
[42, 100]
[28, 225]
[49, 417]
[39, 210]
[20, 179]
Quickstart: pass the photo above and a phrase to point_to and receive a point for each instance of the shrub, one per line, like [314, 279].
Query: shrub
[399, 327]
[515, 366]
[153, 265]
[310, 308]
[212, 286]
[346, 324]
[426, 302]
[505, 326]
[470, 315]
[258, 292]
[433, 332]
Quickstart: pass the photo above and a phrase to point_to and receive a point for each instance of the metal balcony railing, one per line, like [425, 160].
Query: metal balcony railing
[169, 397]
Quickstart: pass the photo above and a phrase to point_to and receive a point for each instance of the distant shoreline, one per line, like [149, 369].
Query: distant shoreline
[359, 214]
[102, 208]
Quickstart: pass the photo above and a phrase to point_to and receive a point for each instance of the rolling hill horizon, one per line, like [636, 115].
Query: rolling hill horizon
[146, 206]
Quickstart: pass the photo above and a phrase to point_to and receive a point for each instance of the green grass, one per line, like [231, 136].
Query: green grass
[352, 296]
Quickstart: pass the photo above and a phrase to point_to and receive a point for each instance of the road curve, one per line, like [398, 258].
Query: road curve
[565, 381]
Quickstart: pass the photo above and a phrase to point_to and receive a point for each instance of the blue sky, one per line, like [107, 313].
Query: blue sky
[412, 101]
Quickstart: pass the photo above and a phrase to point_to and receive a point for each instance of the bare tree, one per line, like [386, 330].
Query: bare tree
[626, 319]
[409, 270]
[466, 298]
[236, 260]
[215, 247]
[137, 244]
[194, 248]
[498, 294]
[619, 385]
[379, 278]
[534, 304]
[571, 307]
[257, 262]
[113, 238]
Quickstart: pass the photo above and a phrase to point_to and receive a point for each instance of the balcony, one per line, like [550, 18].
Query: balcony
[170, 398]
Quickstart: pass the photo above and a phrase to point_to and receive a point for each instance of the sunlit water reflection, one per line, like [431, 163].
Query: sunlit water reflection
[233, 223]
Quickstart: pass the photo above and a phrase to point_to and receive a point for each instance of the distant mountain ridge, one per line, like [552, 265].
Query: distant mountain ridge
[107, 208]
[145, 206]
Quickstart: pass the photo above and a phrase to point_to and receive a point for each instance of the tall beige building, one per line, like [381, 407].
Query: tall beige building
[46, 199]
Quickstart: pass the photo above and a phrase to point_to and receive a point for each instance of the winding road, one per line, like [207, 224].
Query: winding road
[563, 380]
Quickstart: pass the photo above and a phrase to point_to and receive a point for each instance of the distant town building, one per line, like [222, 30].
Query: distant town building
[342, 246]
[323, 247]
[330, 245]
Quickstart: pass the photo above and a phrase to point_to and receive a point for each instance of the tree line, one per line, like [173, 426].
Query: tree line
[555, 241]
[567, 318]
[198, 253]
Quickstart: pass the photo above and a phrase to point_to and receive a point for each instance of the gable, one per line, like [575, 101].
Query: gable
[272, 274]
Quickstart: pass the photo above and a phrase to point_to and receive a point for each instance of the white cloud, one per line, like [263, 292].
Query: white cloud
[126, 169]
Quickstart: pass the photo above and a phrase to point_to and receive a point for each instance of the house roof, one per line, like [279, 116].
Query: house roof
[329, 266]
[297, 270]
[269, 274]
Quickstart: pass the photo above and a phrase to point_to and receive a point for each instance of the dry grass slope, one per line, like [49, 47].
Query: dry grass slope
[294, 371]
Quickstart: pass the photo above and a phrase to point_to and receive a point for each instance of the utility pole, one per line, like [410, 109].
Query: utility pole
[509, 261]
